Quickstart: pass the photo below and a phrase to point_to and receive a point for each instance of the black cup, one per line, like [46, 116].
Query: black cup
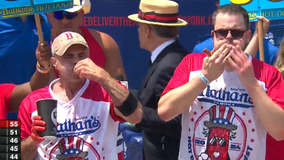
[46, 108]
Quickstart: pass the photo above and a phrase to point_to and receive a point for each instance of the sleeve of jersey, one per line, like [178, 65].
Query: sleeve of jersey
[6, 91]
[25, 118]
[275, 88]
[180, 77]
[112, 112]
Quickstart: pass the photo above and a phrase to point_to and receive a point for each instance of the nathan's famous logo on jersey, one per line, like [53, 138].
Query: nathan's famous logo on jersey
[234, 97]
[74, 148]
[80, 126]
[221, 133]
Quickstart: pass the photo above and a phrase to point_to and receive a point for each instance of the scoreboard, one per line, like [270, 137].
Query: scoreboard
[10, 140]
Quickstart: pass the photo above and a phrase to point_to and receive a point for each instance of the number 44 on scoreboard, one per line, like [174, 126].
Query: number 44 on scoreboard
[14, 156]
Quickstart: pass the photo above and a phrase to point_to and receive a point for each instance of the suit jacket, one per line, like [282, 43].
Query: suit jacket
[160, 138]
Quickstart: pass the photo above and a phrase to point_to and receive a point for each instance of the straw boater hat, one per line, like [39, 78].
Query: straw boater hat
[158, 12]
[85, 5]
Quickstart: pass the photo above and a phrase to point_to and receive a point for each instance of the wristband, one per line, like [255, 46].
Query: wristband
[128, 106]
[42, 70]
[204, 79]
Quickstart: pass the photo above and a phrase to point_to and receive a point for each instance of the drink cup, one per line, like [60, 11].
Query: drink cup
[46, 109]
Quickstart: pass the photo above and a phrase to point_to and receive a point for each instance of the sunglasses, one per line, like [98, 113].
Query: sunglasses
[59, 15]
[223, 33]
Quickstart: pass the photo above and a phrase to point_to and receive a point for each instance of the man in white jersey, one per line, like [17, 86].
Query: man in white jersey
[90, 104]
[231, 104]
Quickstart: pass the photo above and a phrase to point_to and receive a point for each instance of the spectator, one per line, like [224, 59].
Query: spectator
[19, 40]
[12, 95]
[103, 49]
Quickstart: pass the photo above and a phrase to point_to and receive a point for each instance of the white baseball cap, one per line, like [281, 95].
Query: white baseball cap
[66, 39]
[80, 4]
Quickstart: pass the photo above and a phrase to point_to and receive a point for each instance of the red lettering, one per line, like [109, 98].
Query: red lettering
[210, 20]
[192, 20]
[90, 21]
[131, 23]
[197, 20]
[95, 21]
[85, 21]
[202, 20]
[69, 36]
[110, 21]
[98, 20]
[105, 21]
[115, 21]
[121, 19]
[125, 21]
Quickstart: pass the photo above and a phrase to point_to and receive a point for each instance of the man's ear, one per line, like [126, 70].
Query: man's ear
[53, 62]
[148, 30]
[248, 34]
[212, 33]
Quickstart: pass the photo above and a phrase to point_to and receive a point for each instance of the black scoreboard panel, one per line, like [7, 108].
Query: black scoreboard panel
[10, 140]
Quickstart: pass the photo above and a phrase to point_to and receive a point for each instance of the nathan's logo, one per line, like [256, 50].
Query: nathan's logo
[243, 2]
[6, 13]
[233, 97]
[81, 126]
[27, 10]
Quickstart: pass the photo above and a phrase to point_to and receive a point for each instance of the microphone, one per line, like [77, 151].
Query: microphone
[120, 77]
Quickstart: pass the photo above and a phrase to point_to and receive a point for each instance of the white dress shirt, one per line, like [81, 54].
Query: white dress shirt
[158, 50]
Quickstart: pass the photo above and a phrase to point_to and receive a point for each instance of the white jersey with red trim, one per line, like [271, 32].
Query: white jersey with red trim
[87, 127]
[221, 123]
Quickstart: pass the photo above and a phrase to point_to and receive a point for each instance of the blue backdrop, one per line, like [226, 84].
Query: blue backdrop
[110, 16]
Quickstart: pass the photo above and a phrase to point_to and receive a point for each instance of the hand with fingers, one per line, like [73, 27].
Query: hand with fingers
[37, 126]
[241, 63]
[86, 68]
[43, 54]
[265, 24]
[213, 64]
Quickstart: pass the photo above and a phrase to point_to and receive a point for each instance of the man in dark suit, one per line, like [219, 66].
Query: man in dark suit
[158, 32]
